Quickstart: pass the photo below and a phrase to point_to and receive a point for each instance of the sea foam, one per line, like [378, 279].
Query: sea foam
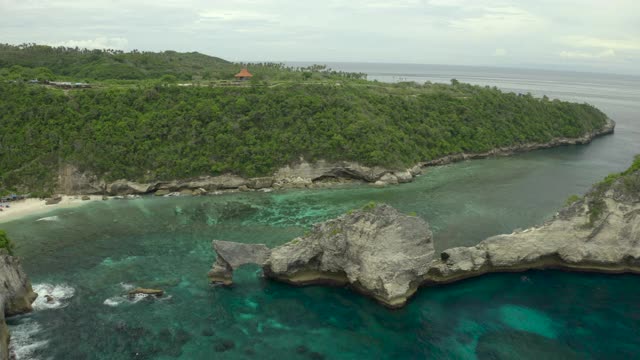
[49, 218]
[59, 294]
[23, 345]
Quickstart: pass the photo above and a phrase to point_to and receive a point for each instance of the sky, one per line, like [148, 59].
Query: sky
[581, 35]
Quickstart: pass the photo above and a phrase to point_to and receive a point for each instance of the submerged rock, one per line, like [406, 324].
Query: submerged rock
[523, 345]
[143, 291]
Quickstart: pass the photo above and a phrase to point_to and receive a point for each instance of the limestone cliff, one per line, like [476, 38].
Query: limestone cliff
[600, 232]
[300, 174]
[16, 296]
[387, 255]
[376, 250]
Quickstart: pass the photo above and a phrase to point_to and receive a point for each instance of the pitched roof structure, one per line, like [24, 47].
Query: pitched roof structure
[244, 73]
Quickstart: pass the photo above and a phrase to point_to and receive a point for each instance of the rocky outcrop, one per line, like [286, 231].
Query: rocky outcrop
[387, 255]
[231, 256]
[4, 335]
[376, 250]
[16, 296]
[149, 292]
[324, 169]
[53, 200]
[598, 233]
[124, 187]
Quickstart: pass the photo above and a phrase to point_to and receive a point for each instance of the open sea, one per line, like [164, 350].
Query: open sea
[89, 257]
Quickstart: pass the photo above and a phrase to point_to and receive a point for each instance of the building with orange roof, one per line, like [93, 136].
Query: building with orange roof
[244, 74]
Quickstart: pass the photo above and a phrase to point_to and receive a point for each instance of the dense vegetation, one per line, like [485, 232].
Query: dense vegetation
[165, 131]
[31, 61]
[6, 243]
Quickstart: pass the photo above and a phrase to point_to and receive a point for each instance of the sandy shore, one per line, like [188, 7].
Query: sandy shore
[22, 208]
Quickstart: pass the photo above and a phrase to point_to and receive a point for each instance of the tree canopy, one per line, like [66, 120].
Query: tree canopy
[163, 131]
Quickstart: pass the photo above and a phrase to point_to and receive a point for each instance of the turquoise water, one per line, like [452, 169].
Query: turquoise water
[89, 256]
[100, 250]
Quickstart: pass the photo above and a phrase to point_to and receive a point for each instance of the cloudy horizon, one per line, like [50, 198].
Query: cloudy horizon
[564, 35]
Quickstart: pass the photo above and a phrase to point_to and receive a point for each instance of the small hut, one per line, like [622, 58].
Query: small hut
[243, 75]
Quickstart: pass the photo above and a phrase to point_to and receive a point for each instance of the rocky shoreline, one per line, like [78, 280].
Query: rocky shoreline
[387, 255]
[16, 296]
[71, 181]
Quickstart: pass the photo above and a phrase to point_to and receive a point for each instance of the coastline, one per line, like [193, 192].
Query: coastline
[301, 176]
[27, 207]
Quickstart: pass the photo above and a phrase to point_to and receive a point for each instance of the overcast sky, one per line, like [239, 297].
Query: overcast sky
[591, 35]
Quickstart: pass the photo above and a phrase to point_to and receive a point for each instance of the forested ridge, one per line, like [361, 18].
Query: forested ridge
[32, 61]
[168, 132]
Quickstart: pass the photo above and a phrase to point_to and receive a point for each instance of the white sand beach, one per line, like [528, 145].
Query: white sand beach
[22, 208]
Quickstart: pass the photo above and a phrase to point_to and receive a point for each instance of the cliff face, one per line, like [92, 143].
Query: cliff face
[387, 255]
[72, 181]
[377, 251]
[600, 232]
[16, 296]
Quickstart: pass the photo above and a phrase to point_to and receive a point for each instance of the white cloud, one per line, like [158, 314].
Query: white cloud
[236, 15]
[594, 33]
[97, 43]
[588, 55]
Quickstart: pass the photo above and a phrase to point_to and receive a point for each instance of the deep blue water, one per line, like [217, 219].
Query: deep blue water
[93, 254]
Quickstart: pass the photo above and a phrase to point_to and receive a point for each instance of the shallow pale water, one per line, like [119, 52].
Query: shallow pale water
[89, 257]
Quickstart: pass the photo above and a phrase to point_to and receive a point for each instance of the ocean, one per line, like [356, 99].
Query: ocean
[89, 257]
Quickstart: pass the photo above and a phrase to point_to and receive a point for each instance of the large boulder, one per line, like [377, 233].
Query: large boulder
[376, 250]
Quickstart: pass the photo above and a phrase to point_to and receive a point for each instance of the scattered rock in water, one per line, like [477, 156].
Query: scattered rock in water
[50, 299]
[143, 291]
[85, 197]
[224, 345]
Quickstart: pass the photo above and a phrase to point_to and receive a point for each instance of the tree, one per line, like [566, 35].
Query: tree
[6, 243]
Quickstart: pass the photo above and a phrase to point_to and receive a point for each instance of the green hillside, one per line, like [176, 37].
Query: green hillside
[32, 61]
[167, 132]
